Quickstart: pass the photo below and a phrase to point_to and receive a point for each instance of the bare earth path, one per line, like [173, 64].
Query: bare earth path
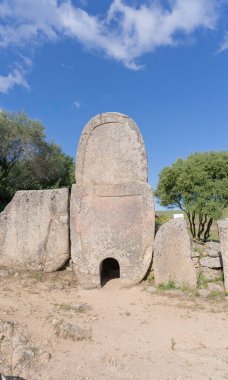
[135, 335]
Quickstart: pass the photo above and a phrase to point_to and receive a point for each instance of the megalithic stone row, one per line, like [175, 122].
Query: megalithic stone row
[111, 211]
[172, 255]
[223, 234]
[34, 230]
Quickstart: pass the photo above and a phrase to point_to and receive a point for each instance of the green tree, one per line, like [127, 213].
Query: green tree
[27, 160]
[199, 187]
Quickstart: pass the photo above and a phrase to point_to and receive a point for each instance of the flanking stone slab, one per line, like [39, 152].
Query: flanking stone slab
[223, 234]
[112, 212]
[172, 255]
[34, 230]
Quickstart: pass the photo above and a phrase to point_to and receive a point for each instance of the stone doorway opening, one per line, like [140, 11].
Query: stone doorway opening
[110, 269]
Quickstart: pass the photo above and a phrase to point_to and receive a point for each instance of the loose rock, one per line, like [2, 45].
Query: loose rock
[68, 331]
[81, 307]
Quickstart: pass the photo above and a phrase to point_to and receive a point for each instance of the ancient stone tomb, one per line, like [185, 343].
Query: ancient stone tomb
[111, 209]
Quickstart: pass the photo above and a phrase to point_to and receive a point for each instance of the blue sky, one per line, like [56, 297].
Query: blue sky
[164, 63]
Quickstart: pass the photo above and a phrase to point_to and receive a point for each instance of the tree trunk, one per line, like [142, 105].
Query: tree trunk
[191, 219]
[202, 223]
[207, 232]
[193, 224]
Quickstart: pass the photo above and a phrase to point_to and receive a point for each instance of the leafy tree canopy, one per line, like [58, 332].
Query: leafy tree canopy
[199, 187]
[27, 160]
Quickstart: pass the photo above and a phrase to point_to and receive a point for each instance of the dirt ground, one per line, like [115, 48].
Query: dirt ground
[132, 334]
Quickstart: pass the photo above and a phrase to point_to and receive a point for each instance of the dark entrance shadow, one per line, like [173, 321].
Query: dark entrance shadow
[110, 269]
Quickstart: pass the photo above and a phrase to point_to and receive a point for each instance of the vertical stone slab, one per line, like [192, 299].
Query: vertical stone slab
[34, 230]
[172, 255]
[112, 212]
[223, 234]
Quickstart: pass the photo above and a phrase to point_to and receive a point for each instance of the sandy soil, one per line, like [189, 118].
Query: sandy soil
[135, 335]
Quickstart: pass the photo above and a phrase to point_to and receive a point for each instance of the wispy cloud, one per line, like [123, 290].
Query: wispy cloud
[84, 3]
[224, 44]
[17, 76]
[12, 79]
[77, 104]
[124, 33]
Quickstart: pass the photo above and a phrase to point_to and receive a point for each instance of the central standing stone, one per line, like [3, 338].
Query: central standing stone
[112, 212]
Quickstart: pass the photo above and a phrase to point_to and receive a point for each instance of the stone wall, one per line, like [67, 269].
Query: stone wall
[207, 259]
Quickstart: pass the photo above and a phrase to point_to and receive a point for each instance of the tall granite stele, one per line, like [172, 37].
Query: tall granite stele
[112, 211]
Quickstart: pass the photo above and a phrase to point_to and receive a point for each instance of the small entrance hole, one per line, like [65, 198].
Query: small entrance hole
[110, 269]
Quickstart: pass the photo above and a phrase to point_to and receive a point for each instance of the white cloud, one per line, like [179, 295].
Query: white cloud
[125, 33]
[12, 79]
[77, 103]
[224, 44]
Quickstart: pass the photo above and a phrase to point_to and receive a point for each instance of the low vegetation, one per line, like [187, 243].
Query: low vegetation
[166, 215]
[27, 160]
[197, 186]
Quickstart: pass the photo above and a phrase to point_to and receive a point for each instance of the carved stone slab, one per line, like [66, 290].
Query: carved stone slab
[112, 213]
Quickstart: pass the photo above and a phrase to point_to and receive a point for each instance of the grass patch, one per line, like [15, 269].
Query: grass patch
[169, 286]
[150, 278]
[199, 250]
[203, 282]
[215, 294]
[35, 350]
[38, 276]
[77, 308]
[65, 306]
[220, 278]
[173, 344]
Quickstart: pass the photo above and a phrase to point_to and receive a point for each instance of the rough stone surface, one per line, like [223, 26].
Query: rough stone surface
[80, 307]
[223, 234]
[211, 262]
[204, 292]
[112, 212]
[34, 230]
[172, 255]
[69, 331]
[15, 349]
[213, 249]
[215, 287]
